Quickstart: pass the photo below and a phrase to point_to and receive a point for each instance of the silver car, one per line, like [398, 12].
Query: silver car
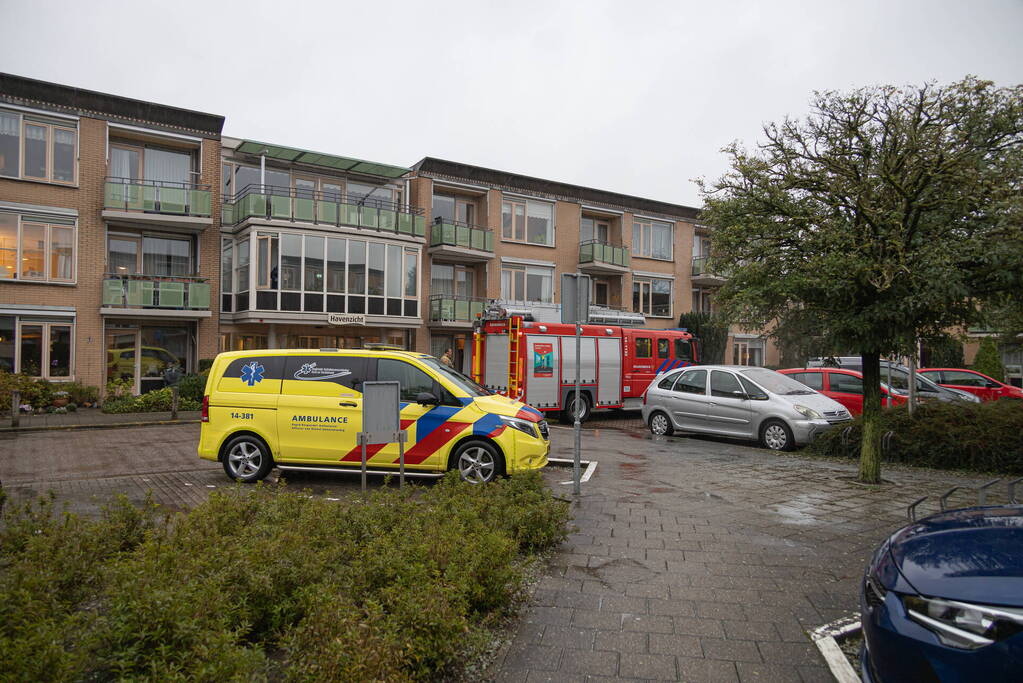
[734, 400]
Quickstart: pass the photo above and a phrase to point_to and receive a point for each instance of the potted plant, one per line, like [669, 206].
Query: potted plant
[60, 399]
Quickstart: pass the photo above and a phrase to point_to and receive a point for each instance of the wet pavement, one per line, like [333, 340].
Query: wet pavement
[691, 559]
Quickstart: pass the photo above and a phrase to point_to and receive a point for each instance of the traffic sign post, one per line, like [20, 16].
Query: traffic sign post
[575, 309]
[381, 422]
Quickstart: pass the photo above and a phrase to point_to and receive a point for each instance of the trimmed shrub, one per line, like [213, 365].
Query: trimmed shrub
[261, 583]
[981, 437]
[158, 400]
[988, 361]
[35, 392]
[192, 386]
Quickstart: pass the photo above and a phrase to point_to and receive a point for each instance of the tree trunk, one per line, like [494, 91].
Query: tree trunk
[870, 447]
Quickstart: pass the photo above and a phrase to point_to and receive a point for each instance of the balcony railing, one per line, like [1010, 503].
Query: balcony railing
[595, 251]
[156, 291]
[700, 268]
[157, 196]
[455, 308]
[444, 232]
[322, 208]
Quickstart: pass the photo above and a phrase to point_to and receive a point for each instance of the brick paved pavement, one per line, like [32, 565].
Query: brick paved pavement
[692, 559]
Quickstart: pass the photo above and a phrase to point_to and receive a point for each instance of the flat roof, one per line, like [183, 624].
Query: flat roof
[303, 156]
[88, 102]
[489, 176]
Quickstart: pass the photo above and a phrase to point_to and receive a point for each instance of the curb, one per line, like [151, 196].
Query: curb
[99, 425]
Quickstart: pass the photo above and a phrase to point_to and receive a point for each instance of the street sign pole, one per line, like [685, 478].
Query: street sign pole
[575, 308]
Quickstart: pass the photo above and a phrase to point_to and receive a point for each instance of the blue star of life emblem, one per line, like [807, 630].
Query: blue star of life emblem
[252, 373]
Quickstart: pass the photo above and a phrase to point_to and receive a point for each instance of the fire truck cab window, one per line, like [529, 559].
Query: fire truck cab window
[683, 350]
[663, 348]
[644, 347]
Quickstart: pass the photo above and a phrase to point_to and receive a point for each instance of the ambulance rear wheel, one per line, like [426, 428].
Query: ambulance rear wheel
[477, 462]
[582, 406]
[247, 459]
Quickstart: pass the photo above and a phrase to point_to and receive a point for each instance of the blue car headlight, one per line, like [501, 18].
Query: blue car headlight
[961, 624]
[524, 426]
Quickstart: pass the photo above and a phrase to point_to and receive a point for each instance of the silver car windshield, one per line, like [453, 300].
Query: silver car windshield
[776, 383]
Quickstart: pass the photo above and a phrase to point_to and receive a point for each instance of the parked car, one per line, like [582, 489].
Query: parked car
[844, 386]
[942, 599]
[980, 385]
[746, 402]
[898, 376]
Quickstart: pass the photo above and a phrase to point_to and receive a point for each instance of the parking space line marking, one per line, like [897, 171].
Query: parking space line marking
[824, 638]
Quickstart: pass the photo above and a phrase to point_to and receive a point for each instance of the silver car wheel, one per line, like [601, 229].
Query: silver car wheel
[244, 459]
[775, 437]
[476, 465]
[659, 424]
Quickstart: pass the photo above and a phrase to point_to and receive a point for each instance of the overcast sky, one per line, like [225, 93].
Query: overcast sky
[634, 97]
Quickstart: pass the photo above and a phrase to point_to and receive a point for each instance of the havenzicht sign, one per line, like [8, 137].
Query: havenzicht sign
[346, 319]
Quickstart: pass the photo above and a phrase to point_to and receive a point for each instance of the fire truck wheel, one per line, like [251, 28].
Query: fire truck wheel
[777, 436]
[477, 462]
[660, 424]
[568, 414]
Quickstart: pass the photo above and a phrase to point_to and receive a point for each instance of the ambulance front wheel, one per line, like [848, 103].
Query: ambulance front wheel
[573, 405]
[247, 459]
[477, 462]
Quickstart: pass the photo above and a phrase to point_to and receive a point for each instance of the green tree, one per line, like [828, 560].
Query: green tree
[943, 351]
[885, 215]
[989, 360]
[711, 329]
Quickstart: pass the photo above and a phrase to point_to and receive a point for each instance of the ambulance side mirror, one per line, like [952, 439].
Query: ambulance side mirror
[425, 398]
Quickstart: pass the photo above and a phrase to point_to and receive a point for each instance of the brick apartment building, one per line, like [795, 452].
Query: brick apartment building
[109, 245]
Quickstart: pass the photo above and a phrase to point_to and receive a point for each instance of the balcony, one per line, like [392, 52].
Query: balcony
[154, 202]
[460, 242]
[266, 202]
[703, 276]
[455, 311]
[596, 256]
[156, 295]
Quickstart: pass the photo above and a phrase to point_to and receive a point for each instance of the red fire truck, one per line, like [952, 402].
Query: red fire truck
[534, 362]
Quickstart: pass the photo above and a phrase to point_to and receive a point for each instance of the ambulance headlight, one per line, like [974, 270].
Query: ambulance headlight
[524, 426]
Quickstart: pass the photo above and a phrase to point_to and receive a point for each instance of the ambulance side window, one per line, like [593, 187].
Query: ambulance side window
[664, 348]
[254, 369]
[413, 380]
[644, 347]
[345, 372]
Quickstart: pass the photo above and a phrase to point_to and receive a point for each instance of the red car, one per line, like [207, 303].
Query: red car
[972, 381]
[844, 386]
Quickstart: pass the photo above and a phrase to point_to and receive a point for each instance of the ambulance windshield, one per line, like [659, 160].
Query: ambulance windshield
[461, 381]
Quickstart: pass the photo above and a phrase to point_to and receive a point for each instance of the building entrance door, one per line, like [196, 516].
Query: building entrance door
[122, 359]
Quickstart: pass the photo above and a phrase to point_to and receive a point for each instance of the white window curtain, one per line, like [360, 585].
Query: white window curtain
[170, 167]
[539, 222]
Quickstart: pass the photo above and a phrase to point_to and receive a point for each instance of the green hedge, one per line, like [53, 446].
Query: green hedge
[153, 401]
[982, 437]
[264, 584]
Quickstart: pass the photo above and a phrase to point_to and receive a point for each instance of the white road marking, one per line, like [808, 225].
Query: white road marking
[590, 465]
[824, 638]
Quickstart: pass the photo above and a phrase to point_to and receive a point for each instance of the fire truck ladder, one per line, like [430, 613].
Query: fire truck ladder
[514, 326]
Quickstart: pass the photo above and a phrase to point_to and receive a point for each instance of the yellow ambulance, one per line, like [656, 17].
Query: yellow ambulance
[301, 409]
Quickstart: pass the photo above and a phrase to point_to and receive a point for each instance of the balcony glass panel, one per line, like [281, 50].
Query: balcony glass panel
[182, 199]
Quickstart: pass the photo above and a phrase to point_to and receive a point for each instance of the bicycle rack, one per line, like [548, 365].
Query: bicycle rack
[911, 508]
[1011, 486]
[944, 497]
[886, 441]
[982, 491]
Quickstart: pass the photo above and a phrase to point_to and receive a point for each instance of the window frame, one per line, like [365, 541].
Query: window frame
[50, 125]
[643, 238]
[514, 268]
[525, 204]
[47, 225]
[44, 362]
[646, 290]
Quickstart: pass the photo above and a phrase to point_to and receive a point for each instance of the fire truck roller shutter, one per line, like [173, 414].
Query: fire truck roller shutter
[588, 362]
[609, 372]
[543, 358]
[495, 369]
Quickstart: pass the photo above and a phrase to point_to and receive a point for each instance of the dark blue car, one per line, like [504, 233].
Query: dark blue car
[942, 600]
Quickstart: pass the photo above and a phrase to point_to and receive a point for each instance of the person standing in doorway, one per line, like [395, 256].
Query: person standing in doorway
[446, 358]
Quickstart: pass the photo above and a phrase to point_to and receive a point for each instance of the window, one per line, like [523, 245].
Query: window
[375, 271]
[652, 296]
[668, 381]
[37, 148]
[644, 347]
[36, 251]
[601, 296]
[314, 372]
[527, 283]
[336, 249]
[451, 208]
[413, 380]
[36, 348]
[241, 268]
[598, 229]
[143, 162]
[702, 301]
[652, 239]
[226, 266]
[748, 352]
[724, 385]
[313, 265]
[683, 350]
[291, 262]
[692, 382]
[524, 220]
[131, 253]
[411, 273]
[843, 383]
[664, 348]
[814, 380]
[961, 379]
[752, 390]
[449, 279]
